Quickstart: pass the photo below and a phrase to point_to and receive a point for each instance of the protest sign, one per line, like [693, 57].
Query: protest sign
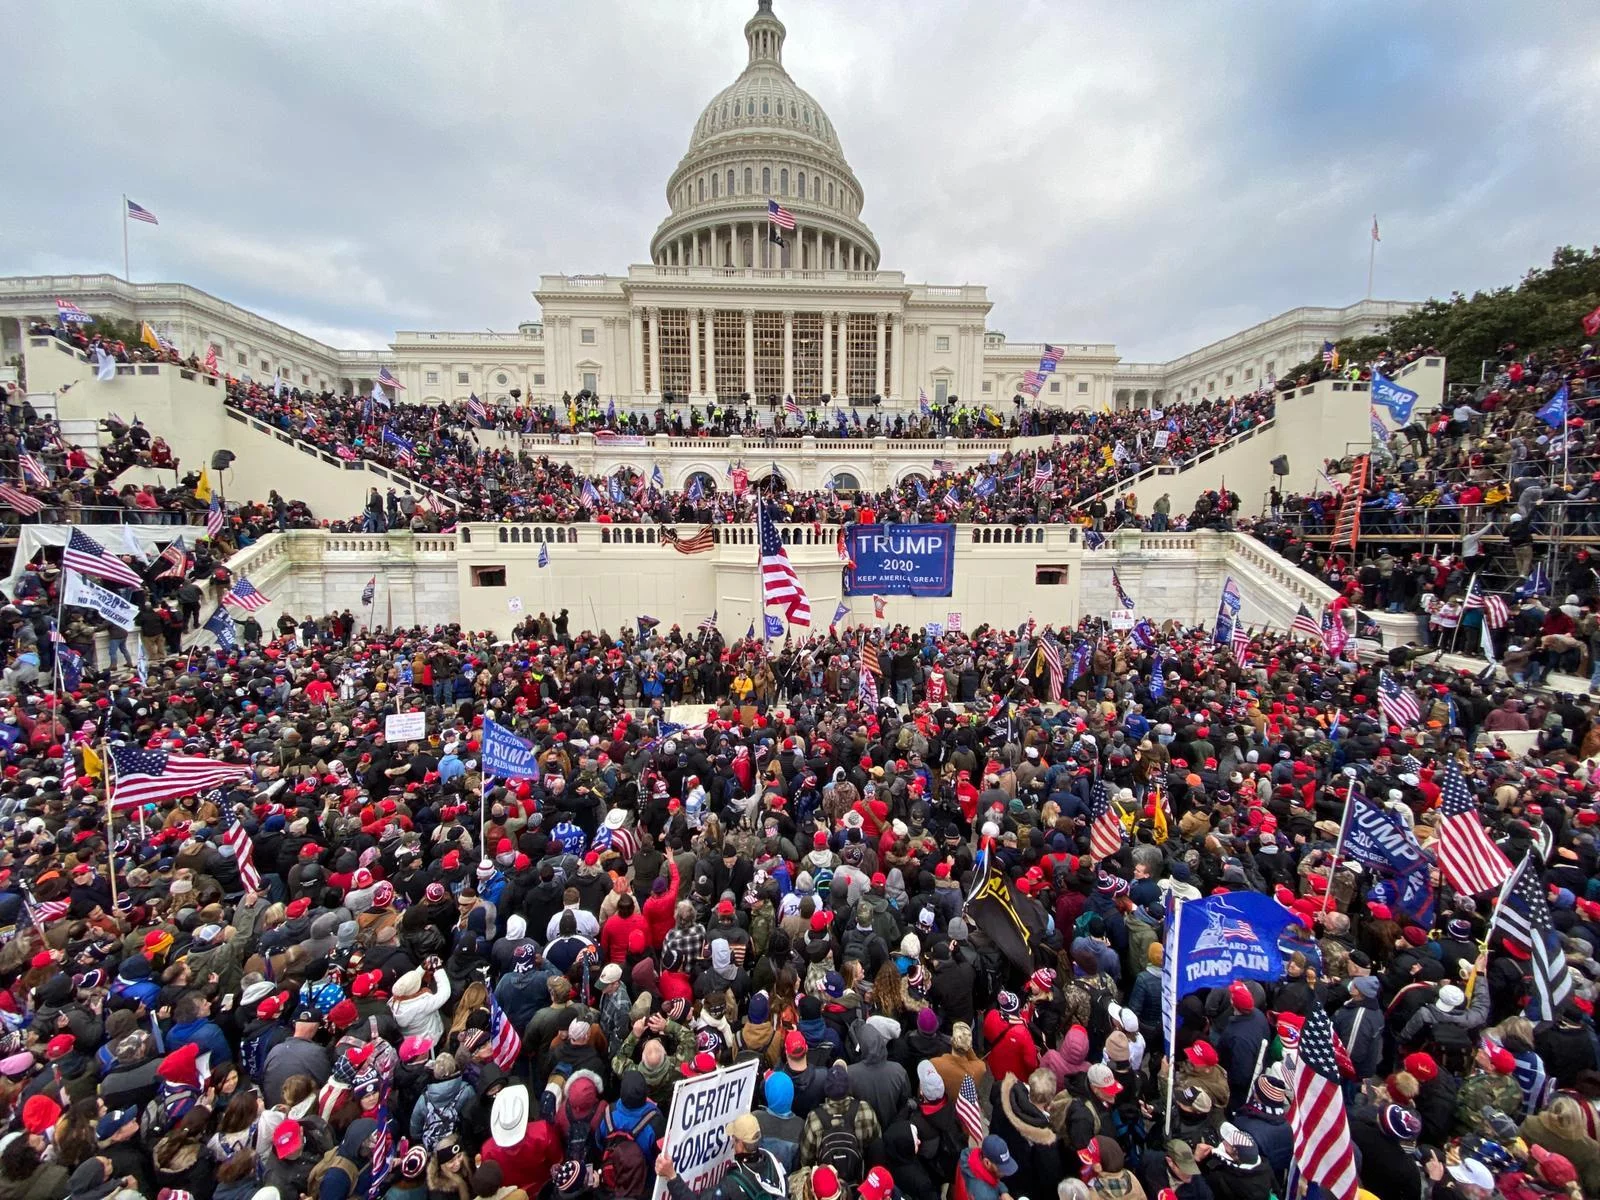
[696, 1134]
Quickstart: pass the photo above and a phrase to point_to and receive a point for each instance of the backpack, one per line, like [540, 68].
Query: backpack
[1452, 1045]
[331, 1161]
[623, 1169]
[437, 1123]
[579, 1136]
[840, 1148]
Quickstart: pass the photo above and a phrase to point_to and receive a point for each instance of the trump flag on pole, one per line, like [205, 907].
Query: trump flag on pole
[505, 755]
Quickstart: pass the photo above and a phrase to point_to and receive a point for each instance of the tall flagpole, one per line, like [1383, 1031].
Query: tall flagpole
[1172, 1015]
[111, 836]
[1372, 253]
[125, 272]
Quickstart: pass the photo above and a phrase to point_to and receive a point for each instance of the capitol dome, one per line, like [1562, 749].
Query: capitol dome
[763, 138]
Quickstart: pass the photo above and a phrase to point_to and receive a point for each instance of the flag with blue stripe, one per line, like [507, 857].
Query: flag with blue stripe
[1554, 412]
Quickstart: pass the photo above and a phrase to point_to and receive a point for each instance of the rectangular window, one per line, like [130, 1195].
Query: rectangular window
[942, 342]
[1055, 385]
[808, 383]
[305, 381]
[769, 354]
[727, 343]
[861, 348]
[461, 377]
[538, 381]
[941, 391]
[988, 386]
[591, 381]
[241, 359]
[1271, 366]
[586, 336]
[1211, 386]
[673, 339]
[265, 365]
[1047, 576]
[1249, 372]
[1083, 387]
[488, 577]
[1193, 391]
[433, 377]
[1227, 381]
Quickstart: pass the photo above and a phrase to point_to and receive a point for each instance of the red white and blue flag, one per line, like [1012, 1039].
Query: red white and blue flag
[150, 776]
[780, 586]
[779, 215]
[233, 834]
[140, 213]
[1398, 703]
[87, 556]
[214, 518]
[69, 313]
[244, 595]
[1323, 1152]
[386, 377]
[504, 1039]
[32, 470]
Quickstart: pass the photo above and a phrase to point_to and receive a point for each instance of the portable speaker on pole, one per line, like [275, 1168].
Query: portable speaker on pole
[1280, 465]
[222, 460]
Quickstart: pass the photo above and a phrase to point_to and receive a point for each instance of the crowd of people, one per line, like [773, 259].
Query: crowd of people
[359, 967]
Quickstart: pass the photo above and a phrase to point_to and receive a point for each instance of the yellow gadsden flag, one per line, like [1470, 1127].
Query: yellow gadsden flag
[91, 764]
[202, 490]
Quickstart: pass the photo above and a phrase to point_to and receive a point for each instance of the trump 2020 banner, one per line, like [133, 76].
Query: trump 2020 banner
[900, 560]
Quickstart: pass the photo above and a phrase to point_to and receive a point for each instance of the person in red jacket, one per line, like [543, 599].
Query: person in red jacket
[620, 926]
[1011, 1048]
[525, 1150]
[660, 905]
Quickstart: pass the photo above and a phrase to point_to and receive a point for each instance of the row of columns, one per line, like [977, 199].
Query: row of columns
[702, 339]
[723, 246]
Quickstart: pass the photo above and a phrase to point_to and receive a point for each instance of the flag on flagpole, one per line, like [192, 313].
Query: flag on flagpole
[969, 1112]
[370, 592]
[1375, 236]
[504, 1040]
[150, 776]
[1105, 830]
[245, 595]
[779, 215]
[1524, 917]
[386, 377]
[780, 585]
[707, 624]
[1123, 599]
[214, 518]
[33, 470]
[234, 834]
[1323, 1151]
[1398, 703]
[544, 554]
[139, 212]
[1471, 862]
[24, 504]
[1305, 623]
[69, 313]
[85, 555]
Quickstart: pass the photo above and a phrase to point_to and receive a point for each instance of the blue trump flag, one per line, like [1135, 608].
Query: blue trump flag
[1398, 400]
[220, 625]
[1554, 413]
[774, 626]
[1381, 840]
[1235, 935]
[505, 755]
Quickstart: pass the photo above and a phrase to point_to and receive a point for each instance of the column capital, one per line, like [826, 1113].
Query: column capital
[749, 314]
[788, 314]
[636, 312]
[653, 312]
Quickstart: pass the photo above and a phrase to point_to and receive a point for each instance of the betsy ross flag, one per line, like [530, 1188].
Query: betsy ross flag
[14, 498]
[1524, 917]
[233, 834]
[779, 215]
[1305, 623]
[86, 556]
[1105, 830]
[245, 595]
[504, 1040]
[780, 586]
[1468, 858]
[151, 776]
[140, 213]
[1323, 1152]
[214, 517]
[1398, 703]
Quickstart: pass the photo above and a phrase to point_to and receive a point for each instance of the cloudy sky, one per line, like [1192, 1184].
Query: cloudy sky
[1153, 174]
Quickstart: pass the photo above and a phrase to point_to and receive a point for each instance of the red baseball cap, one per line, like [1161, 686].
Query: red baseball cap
[794, 1043]
[287, 1138]
[878, 1185]
[1202, 1054]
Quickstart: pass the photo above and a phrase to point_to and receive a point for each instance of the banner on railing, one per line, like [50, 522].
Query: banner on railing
[901, 560]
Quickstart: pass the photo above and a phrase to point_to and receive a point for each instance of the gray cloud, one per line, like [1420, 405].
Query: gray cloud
[1151, 174]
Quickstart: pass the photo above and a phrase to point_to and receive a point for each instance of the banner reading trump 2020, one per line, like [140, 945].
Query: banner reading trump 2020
[697, 1127]
[901, 560]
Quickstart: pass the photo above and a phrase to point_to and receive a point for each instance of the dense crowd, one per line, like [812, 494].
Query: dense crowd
[362, 969]
[442, 451]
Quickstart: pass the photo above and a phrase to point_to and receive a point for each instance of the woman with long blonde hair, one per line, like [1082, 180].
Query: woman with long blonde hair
[474, 996]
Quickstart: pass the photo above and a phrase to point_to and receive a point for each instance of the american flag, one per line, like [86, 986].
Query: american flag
[211, 359]
[150, 776]
[503, 1036]
[369, 592]
[172, 560]
[1495, 612]
[477, 410]
[698, 542]
[943, 465]
[214, 517]
[1524, 915]
[85, 555]
[867, 690]
[588, 495]
[1105, 829]
[1241, 643]
[1468, 858]
[707, 624]
[1123, 599]
[1305, 623]
[140, 213]
[780, 586]
[1051, 649]
[1328, 354]
[69, 313]
[233, 834]
[1323, 1152]
[386, 377]
[779, 215]
[42, 912]
[383, 1153]
[1051, 355]
[1031, 381]
[952, 622]
[32, 470]
[790, 408]
[922, 402]
[13, 498]
[405, 450]
[968, 1111]
[1043, 470]
[245, 595]
[1399, 704]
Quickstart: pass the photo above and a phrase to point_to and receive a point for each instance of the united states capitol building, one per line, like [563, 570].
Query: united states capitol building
[722, 310]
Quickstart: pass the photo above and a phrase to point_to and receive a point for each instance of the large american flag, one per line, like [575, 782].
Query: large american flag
[172, 560]
[1305, 623]
[1105, 830]
[150, 776]
[214, 518]
[1524, 915]
[386, 377]
[1323, 1152]
[1495, 612]
[477, 410]
[89, 557]
[1051, 649]
[1051, 355]
[780, 586]
[1469, 859]
[233, 834]
[1398, 703]
[779, 215]
[503, 1036]
[33, 470]
[140, 213]
[244, 594]
[969, 1112]
[1043, 470]
[790, 408]
[13, 498]
[698, 542]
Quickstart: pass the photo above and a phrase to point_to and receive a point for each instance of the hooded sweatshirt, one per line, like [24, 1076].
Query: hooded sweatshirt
[882, 1085]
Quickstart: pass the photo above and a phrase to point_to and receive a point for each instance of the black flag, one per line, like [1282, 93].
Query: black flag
[1012, 922]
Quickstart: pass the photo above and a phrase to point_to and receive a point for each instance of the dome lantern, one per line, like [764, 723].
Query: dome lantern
[764, 33]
